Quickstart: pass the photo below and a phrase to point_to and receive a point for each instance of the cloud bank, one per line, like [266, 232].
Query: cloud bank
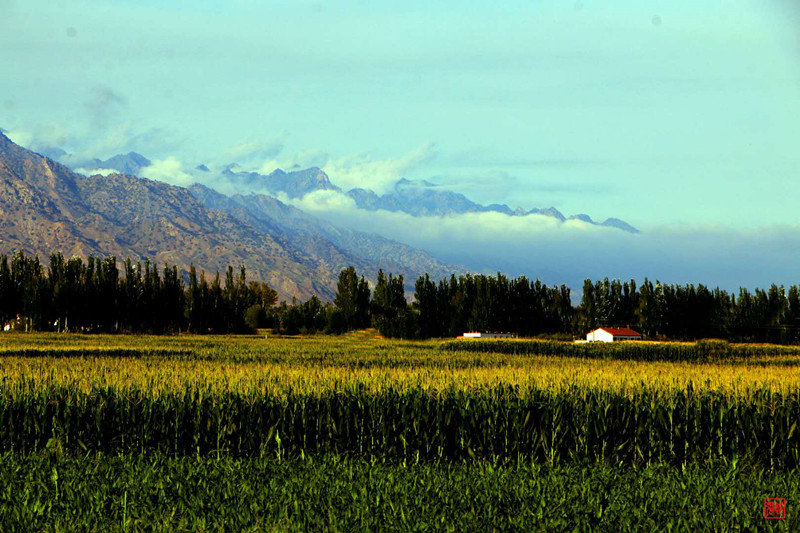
[541, 247]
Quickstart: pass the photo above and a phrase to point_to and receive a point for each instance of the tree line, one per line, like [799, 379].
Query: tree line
[98, 295]
[667, 311]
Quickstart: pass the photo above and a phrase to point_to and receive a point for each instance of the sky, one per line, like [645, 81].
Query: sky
[679, 117]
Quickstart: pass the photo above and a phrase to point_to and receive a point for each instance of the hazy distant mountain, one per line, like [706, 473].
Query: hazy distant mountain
[550, 212]
[52, 152]
[584, 218]
[620, 224]
[294, 184]
[417, 198]
[45, 208]
[130, 163]
[421, 198]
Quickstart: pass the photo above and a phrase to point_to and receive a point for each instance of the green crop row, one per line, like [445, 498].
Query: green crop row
[704, 350]
[505, 422]
[48, 492]
[95, 352]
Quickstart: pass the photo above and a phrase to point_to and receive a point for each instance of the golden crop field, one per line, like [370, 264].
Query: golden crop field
[122, 418]
[274, 365]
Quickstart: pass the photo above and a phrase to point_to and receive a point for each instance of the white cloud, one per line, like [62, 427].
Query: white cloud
[83, 144]
[442, 232]
[95, 171]
[20, 137]
[331, 202]
[169, 170]
[379, 175]
[541, 247]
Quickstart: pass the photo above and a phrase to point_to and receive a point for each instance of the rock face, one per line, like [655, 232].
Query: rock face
[46, 208]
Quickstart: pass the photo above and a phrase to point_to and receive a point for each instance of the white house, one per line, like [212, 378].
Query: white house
[613, 334]
[485, 335]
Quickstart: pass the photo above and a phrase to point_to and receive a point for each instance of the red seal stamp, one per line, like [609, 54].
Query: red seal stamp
[775, 508]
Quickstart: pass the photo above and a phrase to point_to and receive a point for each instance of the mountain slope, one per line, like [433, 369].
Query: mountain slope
[45, 207]
[384, 253]
[40, 204]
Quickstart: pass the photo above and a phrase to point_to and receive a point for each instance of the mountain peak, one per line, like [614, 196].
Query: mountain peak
[130, 163]
[582, 217]
[619, 224]
[553, 212]
[295, 184]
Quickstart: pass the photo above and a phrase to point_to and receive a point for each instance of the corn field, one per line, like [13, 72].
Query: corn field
[359, 401]
[245, 399]
[703, 350]
[505, 422]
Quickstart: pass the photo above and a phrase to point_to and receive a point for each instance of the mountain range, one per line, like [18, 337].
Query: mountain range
[414, 197]
[46, 207]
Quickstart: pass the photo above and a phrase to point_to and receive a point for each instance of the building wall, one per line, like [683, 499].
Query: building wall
[599, 336]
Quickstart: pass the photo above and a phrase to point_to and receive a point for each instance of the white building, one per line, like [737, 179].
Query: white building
[485, 335]
[613, 334]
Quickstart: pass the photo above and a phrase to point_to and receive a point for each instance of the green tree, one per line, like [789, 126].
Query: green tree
[352, 298]
[390, 310]
[426, 301]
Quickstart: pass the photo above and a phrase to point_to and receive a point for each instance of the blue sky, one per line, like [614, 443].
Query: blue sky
[656, 112]
[682, 118]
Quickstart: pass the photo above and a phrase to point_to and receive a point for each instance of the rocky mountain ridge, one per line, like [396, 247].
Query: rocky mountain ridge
[414, 197]
[45, 207]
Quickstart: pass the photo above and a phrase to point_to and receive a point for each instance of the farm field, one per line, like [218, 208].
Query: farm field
[359, 432]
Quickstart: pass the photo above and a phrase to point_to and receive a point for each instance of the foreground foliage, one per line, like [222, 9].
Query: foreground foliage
[331, 493]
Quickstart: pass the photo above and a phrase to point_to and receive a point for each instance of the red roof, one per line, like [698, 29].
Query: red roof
[622, 332]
